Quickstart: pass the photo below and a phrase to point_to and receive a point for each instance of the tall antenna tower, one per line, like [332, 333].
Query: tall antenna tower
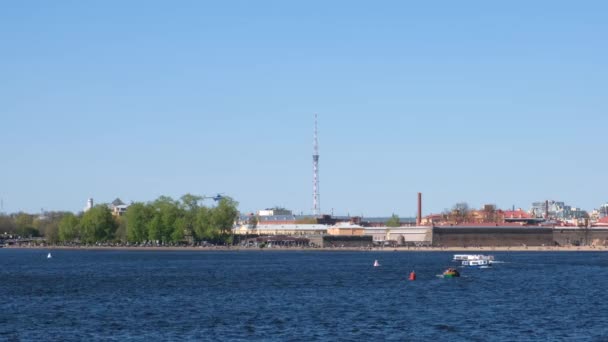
[316, 206]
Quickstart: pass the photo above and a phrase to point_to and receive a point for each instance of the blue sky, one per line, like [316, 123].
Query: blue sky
[479, 101]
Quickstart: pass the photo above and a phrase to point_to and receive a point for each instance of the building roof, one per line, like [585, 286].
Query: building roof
[603, 221]
[517, 214]
[385, 219]
[346, 225]
[117, 202]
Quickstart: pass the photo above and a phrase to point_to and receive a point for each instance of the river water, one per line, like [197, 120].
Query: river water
[299, 296]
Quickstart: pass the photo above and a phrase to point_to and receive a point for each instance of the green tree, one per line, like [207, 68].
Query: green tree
[393, 221]
[98, 224]
[203, 227]
[137, 219]
[180, 229]
[25, 225]
[7, 224]
[49, 225]
[155, 228]
[68, 228]
[121, 229]
[190, 202]
[168, 211]
[49, 228]
[224, 215]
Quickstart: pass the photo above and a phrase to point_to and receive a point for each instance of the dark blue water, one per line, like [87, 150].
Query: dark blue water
[150, 296]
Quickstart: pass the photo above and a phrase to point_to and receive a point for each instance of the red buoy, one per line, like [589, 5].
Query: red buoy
[412, 276]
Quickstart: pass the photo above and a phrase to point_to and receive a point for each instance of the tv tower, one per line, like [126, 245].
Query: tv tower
[316, 206]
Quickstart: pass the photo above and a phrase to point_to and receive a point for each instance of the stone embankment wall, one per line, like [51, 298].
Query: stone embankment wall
[581, 237]
[495, 236]
[347, 241]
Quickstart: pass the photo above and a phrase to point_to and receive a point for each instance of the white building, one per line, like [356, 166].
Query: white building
[89, 205]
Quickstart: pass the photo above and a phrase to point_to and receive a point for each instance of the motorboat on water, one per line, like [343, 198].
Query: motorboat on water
[474, 260]
[451, 273]
[477, 263]
[462, 257]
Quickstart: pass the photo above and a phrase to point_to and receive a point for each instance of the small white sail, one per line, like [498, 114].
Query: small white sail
[49, 256]
[376, 263]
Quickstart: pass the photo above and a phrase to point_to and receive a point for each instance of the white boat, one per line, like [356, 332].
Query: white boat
[462, 257]
[49, 256]
[476, 263]
[376, 263]
[475, 260]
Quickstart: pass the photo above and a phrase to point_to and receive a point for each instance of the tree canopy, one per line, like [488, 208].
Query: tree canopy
[393, 221]
[164, 220]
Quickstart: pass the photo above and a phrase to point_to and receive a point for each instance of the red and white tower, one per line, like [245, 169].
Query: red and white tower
[316, 201]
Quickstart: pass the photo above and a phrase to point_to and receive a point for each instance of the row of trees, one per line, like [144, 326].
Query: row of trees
[165, 220]
[168, 220]
[32, 225]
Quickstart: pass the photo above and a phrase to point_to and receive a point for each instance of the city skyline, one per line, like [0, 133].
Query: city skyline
[481, 103]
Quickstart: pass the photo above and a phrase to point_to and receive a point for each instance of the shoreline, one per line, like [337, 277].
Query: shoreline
[327, 249]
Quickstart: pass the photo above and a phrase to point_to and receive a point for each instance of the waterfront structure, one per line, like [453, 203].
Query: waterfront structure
[287, 229]
[470, 235]
[418, 235]
[346, 228]
[378, 234]
[603, 222]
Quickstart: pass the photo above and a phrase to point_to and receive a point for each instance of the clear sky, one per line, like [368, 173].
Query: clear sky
[477, 101]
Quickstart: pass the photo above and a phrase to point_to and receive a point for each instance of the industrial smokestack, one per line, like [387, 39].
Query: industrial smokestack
[546, 209]
[419, 216]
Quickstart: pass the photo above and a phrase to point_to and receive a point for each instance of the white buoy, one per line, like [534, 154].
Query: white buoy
[376, 263]
[49, 256]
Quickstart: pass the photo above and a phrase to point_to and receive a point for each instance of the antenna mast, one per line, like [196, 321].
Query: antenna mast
[316, 207]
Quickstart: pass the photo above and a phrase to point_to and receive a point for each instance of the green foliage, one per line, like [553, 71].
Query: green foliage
[7, 224]
[190, 202]
[180, 230]
[25, 225]
[165, 220]
[121, 230]
[97, 224]
[69, 229]
[224, 215]
[136, 217]
[203, 228]
[393, 221]
[155, 228]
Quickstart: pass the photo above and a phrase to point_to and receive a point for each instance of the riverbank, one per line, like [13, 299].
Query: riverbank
[329, 249]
